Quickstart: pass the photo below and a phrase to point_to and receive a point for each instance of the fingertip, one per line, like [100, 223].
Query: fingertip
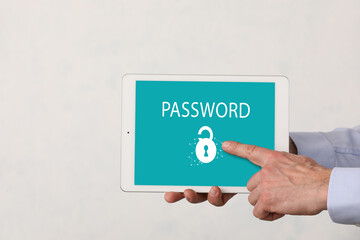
[225, 145]
[190, 195]
[231, 147]
[167, 197]
[214, 191]
[215, 196]
[172, 197]
[188, 192]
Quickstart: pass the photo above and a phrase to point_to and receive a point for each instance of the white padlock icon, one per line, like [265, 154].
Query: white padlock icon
[205, 148]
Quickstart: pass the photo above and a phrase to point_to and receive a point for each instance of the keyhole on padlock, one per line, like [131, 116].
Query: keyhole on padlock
[206, 148]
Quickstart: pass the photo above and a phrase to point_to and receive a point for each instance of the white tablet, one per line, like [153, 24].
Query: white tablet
[172, 128]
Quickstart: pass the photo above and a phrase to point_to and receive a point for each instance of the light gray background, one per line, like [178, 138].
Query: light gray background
[60, 67]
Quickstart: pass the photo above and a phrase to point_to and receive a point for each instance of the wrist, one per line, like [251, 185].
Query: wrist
[324, 188]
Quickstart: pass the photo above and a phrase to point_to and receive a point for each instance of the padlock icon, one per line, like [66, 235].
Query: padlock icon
[205, 148]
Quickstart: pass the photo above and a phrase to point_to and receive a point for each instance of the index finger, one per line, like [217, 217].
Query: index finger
[255, 154]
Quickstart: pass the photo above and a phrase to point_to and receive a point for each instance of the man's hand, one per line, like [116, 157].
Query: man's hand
[215, 197]
[286, 183]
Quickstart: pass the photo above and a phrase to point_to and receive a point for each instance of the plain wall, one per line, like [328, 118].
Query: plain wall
[61, 63]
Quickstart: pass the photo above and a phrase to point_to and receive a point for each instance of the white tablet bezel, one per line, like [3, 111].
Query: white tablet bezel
[127, 164]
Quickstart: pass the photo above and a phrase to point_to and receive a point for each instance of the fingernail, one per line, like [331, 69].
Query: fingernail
[226, 144]
[213, 192]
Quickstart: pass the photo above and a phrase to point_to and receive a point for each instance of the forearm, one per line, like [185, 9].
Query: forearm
[340, 148]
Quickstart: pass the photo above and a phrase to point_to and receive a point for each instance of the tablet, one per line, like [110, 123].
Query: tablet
[172, 128]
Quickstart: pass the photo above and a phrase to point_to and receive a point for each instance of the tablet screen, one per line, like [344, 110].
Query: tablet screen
[180, 126]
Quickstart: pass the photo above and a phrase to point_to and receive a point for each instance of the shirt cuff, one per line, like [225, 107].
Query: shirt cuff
[343, 195]
[316, 146]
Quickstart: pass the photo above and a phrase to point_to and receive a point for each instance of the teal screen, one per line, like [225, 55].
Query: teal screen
[166, 135]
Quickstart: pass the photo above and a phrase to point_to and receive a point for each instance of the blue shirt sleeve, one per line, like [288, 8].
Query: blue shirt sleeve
[340, 150]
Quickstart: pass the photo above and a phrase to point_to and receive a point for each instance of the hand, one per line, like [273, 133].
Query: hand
[215, 197]
[286, 183]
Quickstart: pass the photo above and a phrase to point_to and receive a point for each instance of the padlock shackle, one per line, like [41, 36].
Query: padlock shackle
[207, 129]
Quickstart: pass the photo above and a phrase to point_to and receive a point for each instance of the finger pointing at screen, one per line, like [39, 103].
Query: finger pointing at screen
[286, 184]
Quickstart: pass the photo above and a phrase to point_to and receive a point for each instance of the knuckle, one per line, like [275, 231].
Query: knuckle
[282, 154]
[248, 186]
[266, 198]
[267, 172]
[249, 149]
[272, 156]
[233, 147]
[255, 213]
[251, 200]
